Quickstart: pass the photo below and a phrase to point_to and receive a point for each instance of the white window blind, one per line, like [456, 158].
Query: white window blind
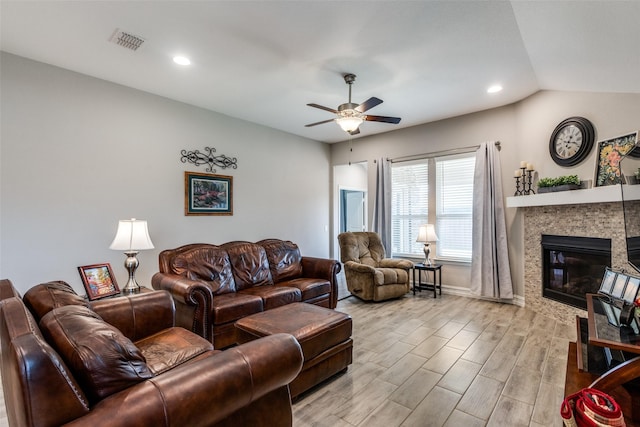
[409, 206]
[454, 206]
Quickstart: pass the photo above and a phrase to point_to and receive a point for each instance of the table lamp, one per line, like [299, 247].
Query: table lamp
[427, 234]
[132, 236]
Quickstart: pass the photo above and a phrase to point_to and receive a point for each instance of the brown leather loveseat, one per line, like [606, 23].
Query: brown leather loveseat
[214, 286]
[122, 362]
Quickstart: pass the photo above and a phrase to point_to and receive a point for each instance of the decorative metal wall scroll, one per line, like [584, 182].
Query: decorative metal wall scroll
[208, 158]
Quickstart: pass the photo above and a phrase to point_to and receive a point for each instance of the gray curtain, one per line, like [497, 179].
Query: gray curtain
[382, 206]
[490, 273]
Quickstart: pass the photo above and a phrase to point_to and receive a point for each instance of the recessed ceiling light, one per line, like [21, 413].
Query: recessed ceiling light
[181, 60]
[494, 89]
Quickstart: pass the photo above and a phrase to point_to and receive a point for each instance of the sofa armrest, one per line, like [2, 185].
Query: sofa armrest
[138, 315]
[323, 268]
[194, 301]
[396, 263]
[180, 288]
[206, 391]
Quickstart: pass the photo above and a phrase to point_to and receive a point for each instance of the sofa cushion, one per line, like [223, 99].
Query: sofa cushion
[209, 263]
[249, 264]
[102, 359]
[231, 307]
[284, 258]
[44, 297]
[310, 288]
[170, 348]
[274, 296]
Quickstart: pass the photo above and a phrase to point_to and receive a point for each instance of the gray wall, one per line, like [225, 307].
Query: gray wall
[523, 129]
[77, 154]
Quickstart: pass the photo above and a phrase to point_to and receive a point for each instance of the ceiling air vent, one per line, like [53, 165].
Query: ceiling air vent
[125, 39]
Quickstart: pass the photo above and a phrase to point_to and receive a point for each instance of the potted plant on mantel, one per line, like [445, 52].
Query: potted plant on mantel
[561, 183]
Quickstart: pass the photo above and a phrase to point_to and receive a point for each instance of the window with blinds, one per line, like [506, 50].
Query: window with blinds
[454, 206]
[452, 184]
[409, 206]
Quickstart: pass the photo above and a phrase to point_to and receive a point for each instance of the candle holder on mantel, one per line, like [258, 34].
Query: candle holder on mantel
[518, 190]
[525, 172]
[529, 190]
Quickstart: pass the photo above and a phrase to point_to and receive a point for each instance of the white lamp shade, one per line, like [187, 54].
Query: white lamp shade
[427, 233]
[132, 235]
[349, 123]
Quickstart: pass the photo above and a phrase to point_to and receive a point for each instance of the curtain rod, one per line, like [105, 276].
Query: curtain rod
[438, 153]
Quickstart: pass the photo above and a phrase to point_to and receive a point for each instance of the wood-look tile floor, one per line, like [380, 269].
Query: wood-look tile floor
[450, 361]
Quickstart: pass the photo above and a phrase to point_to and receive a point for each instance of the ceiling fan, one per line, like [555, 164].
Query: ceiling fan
[349, 116]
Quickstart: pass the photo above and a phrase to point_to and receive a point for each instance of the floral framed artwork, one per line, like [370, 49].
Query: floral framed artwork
[98, 281]
[610, 152]
[208, 194]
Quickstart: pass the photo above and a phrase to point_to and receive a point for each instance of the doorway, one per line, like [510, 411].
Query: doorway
[352, 210]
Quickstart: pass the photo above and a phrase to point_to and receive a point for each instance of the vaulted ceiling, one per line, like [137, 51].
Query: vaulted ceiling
[263, 61]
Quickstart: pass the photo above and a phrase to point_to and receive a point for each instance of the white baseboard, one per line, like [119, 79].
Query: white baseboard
[466, 292]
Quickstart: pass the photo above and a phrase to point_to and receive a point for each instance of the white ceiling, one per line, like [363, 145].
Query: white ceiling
[262, 61]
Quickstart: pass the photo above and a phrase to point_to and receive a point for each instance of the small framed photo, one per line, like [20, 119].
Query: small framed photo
[98, 281]
[208, 194]
[610, 152]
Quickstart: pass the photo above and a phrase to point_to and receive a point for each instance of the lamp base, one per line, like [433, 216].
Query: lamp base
[427, 252]
[131, 264]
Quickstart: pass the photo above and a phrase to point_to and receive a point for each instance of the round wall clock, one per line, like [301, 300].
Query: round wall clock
[571, 141]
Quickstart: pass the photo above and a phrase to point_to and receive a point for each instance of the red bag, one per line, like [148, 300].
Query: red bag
[591, 408]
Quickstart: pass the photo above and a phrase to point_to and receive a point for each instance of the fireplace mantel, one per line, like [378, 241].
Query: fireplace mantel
[611, 193]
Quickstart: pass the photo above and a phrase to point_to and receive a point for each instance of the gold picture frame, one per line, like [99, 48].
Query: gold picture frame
[208, 194]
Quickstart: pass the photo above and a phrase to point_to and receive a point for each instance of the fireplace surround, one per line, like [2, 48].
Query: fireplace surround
[594, 220]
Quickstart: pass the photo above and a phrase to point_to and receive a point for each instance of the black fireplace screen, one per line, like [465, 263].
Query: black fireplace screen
[573, 267]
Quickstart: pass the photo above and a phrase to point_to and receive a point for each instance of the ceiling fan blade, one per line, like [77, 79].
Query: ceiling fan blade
[331, 110]
[318, 123]
[368, 104]
[384, 119]
[355, 132]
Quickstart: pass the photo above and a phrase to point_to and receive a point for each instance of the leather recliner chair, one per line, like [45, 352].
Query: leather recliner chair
[370, 276]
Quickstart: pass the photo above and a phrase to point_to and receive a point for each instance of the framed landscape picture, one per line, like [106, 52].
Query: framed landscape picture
[98, 281]
[208, 194]
[610, 152]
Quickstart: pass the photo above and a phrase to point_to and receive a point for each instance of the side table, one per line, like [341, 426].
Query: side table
[437, 278]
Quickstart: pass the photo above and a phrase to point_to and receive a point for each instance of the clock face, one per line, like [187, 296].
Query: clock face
[568, 142]
[571, 141]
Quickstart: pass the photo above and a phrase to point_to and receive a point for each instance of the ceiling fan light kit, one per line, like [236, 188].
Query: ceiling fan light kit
[349, 123]
[350, 116]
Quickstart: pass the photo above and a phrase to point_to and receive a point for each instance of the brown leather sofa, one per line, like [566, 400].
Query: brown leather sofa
[214, 286]
[121, 361]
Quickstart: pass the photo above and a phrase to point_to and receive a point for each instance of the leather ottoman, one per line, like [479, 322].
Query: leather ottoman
[323, 334]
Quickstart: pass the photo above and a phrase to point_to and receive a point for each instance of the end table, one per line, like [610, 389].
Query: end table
[437, 278]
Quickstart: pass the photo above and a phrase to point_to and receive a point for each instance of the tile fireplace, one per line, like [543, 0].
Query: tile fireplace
[586, 220]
